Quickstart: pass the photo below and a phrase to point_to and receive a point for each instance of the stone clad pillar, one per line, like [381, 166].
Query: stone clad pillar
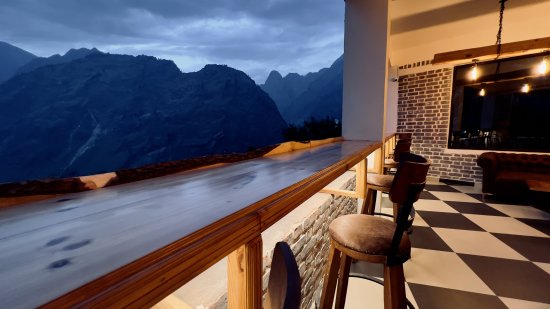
[366, 60]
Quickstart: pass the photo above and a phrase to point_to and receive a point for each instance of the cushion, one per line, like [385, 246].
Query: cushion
[524, 163]
[380, 180]
[367, 234]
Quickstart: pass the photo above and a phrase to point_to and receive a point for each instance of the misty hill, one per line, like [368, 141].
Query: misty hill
[316, 95]
[107, 112]
[11, 59]
[283, 90]
[72, 54]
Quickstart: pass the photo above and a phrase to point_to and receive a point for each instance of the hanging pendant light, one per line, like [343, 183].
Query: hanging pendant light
[525, 88]
[543, 67]
[482, 92]
[474, 72]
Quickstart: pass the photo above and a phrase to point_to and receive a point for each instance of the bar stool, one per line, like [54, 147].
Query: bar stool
[402, 146]
[399, 136]
[376, 240]
[404, 135]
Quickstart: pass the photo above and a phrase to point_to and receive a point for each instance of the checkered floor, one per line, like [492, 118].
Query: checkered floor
[468, 253]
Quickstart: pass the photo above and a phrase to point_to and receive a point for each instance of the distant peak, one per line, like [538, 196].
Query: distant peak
[81, 52]
[223, 71]
[273, 76]
[338, 61]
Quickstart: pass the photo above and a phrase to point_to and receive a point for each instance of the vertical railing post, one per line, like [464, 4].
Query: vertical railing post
[361, 179]
[378, 160]
[244, 275]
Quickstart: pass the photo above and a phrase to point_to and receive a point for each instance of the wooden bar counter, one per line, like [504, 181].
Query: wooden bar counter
[132, 245]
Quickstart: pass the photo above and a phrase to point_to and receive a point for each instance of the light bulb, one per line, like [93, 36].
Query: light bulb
[542, 67]
[482, 92]
[525, 88]
[474, 73]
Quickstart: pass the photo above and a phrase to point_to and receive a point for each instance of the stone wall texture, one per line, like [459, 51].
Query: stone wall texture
[424, 108]
[310, 243]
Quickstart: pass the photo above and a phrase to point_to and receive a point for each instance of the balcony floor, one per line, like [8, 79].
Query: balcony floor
[469, 254]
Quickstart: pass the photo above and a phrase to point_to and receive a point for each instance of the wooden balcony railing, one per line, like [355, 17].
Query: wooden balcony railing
[134, 244]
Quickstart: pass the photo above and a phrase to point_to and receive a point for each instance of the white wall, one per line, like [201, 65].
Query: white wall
[391, 102]
[365, 69]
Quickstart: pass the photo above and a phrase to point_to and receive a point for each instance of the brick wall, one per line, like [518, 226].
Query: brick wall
[423, 108]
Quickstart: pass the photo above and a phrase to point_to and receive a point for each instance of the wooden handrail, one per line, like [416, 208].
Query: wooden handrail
[134, 244]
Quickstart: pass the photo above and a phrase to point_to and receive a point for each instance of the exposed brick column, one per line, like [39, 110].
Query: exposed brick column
[424, 108]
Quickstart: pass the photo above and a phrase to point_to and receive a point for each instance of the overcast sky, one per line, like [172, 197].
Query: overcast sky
[255, 36]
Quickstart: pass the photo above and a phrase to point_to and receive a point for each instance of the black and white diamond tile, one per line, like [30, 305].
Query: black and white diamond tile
[472, 251]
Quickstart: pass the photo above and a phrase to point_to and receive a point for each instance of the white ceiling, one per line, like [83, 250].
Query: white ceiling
[421, 28]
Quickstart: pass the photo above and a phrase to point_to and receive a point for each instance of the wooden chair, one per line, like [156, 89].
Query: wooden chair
[404, 135]
[376, 240]
[284, 286]
[382, 183]
[402, 146]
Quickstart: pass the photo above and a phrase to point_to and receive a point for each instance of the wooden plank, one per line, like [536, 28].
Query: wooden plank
[293, 146]
[490, 52]
[339, 192]
[134, 244]
[361, 179]
[378, 161]
[244, 273]
[12, 201]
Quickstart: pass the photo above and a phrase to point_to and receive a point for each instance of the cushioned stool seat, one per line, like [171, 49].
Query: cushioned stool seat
[382, 181]
[390, 163]
[368, 234]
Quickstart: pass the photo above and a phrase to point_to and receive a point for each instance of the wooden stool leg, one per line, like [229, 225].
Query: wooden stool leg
[343, 278]
[395, 211]
[367, 208]
[330, 276]
[370, 202]
[394, 288]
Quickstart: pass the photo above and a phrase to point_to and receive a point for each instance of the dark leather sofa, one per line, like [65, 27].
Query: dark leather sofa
[506, 174]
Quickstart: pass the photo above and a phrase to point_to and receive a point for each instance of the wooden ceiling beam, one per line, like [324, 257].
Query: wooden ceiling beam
[490, 52]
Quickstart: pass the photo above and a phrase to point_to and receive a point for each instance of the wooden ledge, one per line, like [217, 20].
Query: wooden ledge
[490, 52]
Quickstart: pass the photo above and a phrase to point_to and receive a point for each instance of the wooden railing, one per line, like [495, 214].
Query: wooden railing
[362, 168]
[134, 244]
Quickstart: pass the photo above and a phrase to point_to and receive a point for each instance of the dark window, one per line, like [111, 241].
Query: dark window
[502, 105]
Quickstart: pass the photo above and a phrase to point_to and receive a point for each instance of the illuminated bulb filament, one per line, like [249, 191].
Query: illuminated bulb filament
[474, 73]
[542, 68]
[525, 88]
[482, 92]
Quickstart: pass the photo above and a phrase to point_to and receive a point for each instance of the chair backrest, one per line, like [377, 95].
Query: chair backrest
[402, 146]
[404, 135]
[284, 286]
[408, 183]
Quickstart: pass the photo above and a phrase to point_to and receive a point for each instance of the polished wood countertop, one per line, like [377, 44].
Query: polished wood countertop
[133, 243]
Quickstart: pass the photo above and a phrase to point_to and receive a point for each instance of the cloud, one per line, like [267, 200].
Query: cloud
[255, 36]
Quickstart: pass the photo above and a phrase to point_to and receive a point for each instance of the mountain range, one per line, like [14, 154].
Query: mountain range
[89, 112]
[69, 56]
[314, 95]
[11, 59]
